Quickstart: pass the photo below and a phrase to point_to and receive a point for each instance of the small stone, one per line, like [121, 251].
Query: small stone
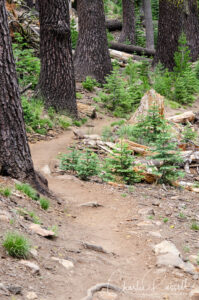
[145, 223]
[65, 263]
[155, 234]
[195, 277]
[15, 290]
[35, 268]
[146, 211]
[46, 170]
[166, 247]
[40, 231]
[34, 252]
[31, 296]
[156, 203]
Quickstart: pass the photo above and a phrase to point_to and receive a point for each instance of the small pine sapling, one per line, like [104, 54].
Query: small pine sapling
[119, 166]
[166, 152]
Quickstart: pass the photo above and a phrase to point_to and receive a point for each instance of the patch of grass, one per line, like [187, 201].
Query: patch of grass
[150, 217]
[89, 84]
[165, 220]
[195, 226]
[54, 228]
[44, 203]
[186, 249]
[79, 95]
[5, 191]
[16, 245]
[124, 195]
[34, 217]
[28, 190]
[182, 215]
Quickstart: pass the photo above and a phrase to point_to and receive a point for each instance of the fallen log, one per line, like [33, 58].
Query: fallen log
[188, 116]
[124, 57]
[137, 148]
[113, 25]
[131, 49]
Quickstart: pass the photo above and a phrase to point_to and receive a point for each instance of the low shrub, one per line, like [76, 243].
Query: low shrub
[16, 245]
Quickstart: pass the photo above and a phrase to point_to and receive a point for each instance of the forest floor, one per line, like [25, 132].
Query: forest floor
[122, 230]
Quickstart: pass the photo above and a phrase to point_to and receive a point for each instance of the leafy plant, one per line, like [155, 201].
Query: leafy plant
[16, 245]
[34, 217]
[44, 203]
[89, 83]
[119, 166]
[27, 64]
[28, 190]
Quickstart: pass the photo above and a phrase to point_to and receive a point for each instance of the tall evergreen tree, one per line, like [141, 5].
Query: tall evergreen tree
[92, 56]
[128, 28]
[175, 17]
[57, 79]
[148, 24]
[15, 157]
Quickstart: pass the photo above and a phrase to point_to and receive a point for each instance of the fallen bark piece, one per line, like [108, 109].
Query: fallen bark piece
[149, 99]
[87, 110]
[91, 204]
[94, 248]
[132, 49]
[183, 118]
[40, 231]
[137, 148]
[98, 287]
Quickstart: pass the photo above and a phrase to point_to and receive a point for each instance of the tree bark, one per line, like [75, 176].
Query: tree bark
[92, 56]
[15, 157]
[148, 24]
[176, 17]
[113, 25]
[57, 80]
[131, 49]
[128, 29]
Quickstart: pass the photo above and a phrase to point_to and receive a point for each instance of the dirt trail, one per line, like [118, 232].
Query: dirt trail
[129, 263]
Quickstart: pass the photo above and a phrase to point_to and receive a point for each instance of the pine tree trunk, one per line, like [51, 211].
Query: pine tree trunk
[92, 57]
[57, 80]
[148, 24]
[15, 157]
[128, 29]
[174, 18]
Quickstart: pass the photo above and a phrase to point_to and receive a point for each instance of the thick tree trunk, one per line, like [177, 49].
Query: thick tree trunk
[131, 49]
[128, 29]
[15, 157]
[57, 80]
[113, 25]
[174, 18]
[148, 24]
[92, 56]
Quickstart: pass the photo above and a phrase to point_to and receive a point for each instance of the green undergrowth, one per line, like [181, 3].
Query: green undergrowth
[16, 245]
[39, 120]
[27, 190]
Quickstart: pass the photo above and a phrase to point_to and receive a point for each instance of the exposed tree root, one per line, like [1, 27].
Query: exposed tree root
[98, 287]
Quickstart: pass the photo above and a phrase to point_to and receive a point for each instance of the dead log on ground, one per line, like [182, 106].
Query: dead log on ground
[187, 116]
[113, 25]
[86, 110]
[132, 49]
[124, 57]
